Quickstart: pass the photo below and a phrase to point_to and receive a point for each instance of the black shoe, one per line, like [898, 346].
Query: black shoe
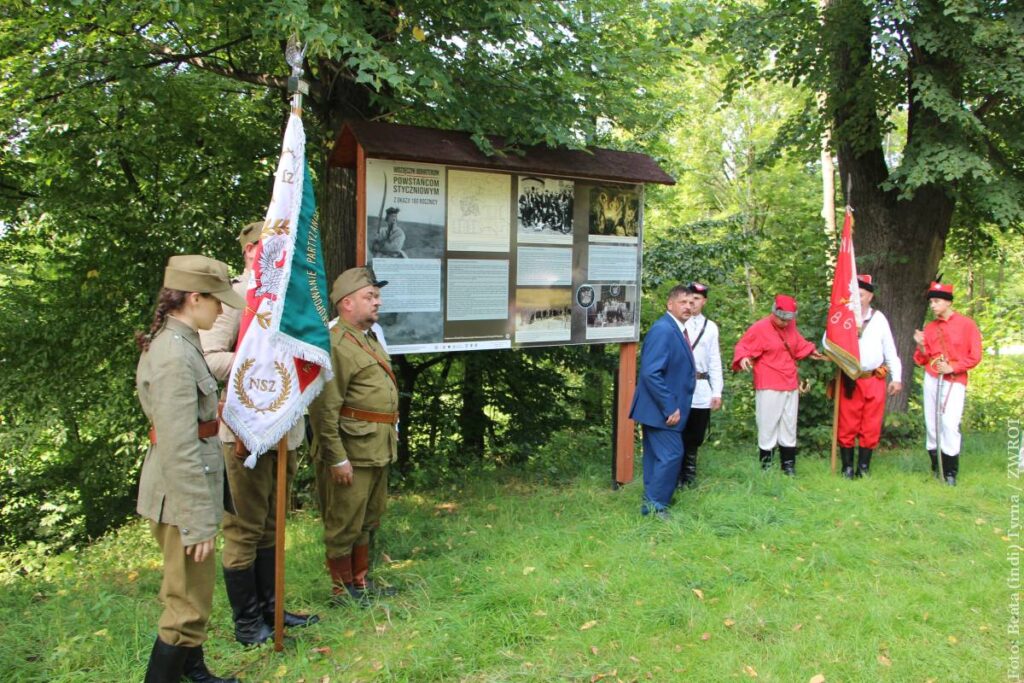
[864, 461]
[352, 596]
[933, 455]
[250, 629]
[950, 468]
[196, 671]
[787, 454]
[846, 456]
[265, 572]
[166, 663]
[765, 456]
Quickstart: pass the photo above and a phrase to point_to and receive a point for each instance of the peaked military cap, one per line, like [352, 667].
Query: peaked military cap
[195, 273]
[353, 280]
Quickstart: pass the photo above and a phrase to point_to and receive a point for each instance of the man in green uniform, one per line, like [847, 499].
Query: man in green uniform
[249, 534]
[353, 421]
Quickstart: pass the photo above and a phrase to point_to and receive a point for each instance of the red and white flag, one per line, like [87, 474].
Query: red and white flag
[283, 354]
[842, 332]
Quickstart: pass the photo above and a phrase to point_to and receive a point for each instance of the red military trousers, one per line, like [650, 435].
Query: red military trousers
[860, 415]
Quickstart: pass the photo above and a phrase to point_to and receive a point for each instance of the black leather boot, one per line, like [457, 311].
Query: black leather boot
[166, 663]
[846, 456]
[265, 573]
[766, 458]
[688, 470]
[934, 456]
[950, 468]
[250, 629]
[864, 461]
[787, 454]
[196, 671]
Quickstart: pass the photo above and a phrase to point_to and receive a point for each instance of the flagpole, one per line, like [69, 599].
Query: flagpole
[282, 506]
[838, 393]
[294, 54]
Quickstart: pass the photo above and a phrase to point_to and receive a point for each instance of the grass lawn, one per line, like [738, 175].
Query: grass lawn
[896, 578]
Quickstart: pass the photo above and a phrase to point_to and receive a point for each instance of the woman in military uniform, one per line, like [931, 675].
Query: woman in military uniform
[182, 488]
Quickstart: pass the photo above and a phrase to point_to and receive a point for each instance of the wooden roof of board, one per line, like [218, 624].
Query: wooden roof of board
[456, 148]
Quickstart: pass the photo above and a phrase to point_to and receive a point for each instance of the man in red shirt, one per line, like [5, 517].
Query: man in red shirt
[949, 346]
[771, 347]
[862, 406]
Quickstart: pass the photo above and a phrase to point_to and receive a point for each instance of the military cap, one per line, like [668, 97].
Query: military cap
[785, 307]
[201, 274]
[698, 288]
[865, 283]
[250, 233]
[938, 290]
[353, 280]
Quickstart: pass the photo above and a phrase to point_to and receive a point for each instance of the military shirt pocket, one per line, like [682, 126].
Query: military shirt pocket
[207, 387]
[353, 427]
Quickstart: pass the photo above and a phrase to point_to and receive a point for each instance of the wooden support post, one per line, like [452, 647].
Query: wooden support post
[624, 432]
[361, 206]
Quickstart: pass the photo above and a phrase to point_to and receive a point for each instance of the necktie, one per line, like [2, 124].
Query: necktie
[686, 333]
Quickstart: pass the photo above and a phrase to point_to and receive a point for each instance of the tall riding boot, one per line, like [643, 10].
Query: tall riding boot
[688, 470]
[360, 569]
[846, 455]
[166, 663]
[766, 458]
[196, 671]
[250, 629]
[265, 573]
[934, 456]
[342, 586]
[950, 467]
[787, 454]
[864, 461]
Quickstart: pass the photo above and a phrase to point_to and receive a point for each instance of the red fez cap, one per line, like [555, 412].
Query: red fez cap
[938, 290]
[864, 282]
[698, 288]
[786, 303]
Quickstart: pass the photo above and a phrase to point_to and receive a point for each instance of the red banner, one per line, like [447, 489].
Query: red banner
[842, 332]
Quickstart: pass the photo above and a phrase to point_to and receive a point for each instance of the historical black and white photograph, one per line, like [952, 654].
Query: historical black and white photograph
[405, 210]
[543, 314]
[615, 312]
[614, 213]
[544, 210]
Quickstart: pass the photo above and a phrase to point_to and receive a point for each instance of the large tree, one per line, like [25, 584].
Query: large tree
[924, 101]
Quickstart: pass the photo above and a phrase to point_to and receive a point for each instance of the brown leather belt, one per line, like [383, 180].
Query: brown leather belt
[703, 375]
[369, 415]
[880, 372]
[205, 430]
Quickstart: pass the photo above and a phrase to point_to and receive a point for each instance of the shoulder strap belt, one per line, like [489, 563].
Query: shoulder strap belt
[380, 361]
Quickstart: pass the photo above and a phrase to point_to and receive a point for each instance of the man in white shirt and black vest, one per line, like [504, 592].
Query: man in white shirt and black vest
[702, 334]
[862, 406]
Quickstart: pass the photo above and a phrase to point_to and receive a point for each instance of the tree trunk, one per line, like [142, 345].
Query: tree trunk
[472, 419]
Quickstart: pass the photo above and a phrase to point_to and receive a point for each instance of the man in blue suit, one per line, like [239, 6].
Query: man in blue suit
[661, 404]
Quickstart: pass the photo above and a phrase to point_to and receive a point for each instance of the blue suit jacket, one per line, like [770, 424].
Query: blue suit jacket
[667, 376]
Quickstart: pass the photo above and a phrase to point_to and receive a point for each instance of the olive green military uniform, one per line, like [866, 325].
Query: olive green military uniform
[362, 381]
[253, 525]
[248, 558]
[182, 487]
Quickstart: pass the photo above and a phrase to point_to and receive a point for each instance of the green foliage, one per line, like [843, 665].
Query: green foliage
[957, 67]
[502, 579]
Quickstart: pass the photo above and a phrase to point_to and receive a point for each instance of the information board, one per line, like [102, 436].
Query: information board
[485, 260]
